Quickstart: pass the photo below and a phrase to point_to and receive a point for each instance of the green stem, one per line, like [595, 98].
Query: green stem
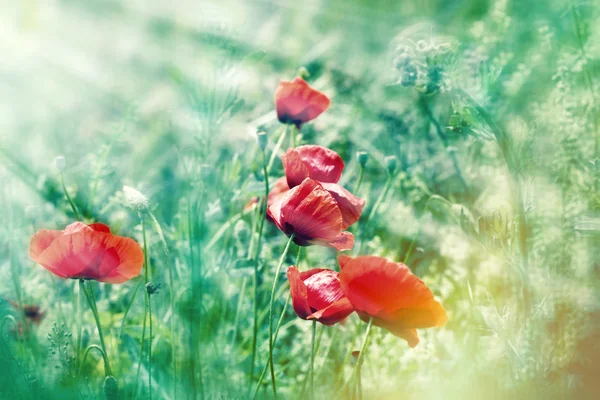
[294, 132]
[64, 188]
[142, 341]
[382, 195]
[277, 147]
[102, 353]
[312, 360]
[237, 312]
[261, 223]
[147, 278]
[80, 330]
[349, 353]
[264, 371]
[359, 180]
[271, 309]
[361, 355]
[92, 302]
[171, 298]
[137, 287]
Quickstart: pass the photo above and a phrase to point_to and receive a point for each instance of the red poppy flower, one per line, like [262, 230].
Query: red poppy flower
[87, 252]
[389, 293]
[312, 215]
[316, 295]
[325, 166]
[296, 102]
[312, 161]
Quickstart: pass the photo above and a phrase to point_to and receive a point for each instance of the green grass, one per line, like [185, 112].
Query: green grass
[492, 109]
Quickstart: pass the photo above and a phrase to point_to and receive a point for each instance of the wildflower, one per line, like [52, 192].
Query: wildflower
[87, 252]
[316, 295]
[311, 161]
[135, 199]
[296, 102]
[389, 293]
[312, 214]
[325, 166]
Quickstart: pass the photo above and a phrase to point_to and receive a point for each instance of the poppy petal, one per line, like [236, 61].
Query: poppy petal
[310, 212]
[299, 293]
[41, 241]
[333, 313]
[373, 283]
[428, 315]
[87, 252]
[279, 188]
[296, 102]
[295, 169]
[344, 241]
[323, 288]
[319, 163]
[350, 205]
[410, 335]
[100, 227]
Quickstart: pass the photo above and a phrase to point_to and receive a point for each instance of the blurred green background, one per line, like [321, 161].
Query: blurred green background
[491, 107]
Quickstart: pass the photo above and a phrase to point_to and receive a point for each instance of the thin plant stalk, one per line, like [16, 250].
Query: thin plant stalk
[271, 310]
[349, 353]
[147, 316]
[171, 297]
[360, 357]
[80, 327]
[294, 133]
[92, 303]
[277, 147]
[147, 297]
[64, 188]
[359, 180]
[266, 367]
[137, 287]
[262, 217]
[237, 312]
[312, 359]
[382, 195]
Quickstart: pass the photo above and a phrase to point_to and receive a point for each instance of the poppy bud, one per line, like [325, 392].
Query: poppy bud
[152, 288]
[136, 200]
[262, 139]
[362, 157]
[111, 388]
[391, 164]
[303, 73]
[60, 163]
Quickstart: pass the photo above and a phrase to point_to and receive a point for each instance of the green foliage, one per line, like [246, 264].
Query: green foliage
[484, 114]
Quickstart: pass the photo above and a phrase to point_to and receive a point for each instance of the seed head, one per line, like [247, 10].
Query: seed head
[136, 200]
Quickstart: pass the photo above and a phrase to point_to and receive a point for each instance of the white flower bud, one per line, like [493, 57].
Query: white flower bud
[60, 163]
[136, 200]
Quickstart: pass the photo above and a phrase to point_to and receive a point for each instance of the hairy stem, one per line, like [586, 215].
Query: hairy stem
[92, 303]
